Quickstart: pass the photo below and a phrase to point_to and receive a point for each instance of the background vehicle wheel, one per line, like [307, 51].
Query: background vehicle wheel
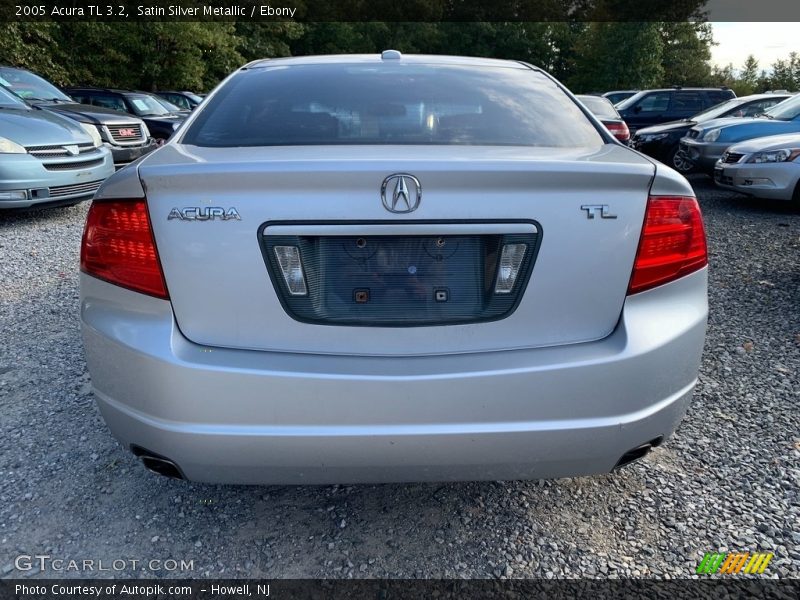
[677, 162]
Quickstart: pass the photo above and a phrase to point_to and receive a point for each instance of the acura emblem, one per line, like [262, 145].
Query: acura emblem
[406, 192]
[205, 213]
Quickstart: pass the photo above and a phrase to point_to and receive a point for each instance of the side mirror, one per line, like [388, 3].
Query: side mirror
[637, 109]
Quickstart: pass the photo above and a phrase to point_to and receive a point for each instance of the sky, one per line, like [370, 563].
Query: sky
[766, 41]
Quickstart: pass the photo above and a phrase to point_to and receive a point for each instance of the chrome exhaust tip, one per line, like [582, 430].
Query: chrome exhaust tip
[155, 463]
[638, 452]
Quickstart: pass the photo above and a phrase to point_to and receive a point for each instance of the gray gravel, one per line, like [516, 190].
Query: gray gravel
[727, 480]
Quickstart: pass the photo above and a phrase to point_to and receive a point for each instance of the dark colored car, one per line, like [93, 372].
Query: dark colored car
[125, 136]
[618, 96]
[651, 107]
[662, 141]
[160, 121]
[608, 115]
[185, 100]
[174, 109]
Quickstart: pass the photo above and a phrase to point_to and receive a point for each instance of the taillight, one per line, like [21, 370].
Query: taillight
[619, 130]
[673, 242]
[118, 246]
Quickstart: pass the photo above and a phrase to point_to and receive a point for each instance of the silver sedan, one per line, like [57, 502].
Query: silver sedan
[372, 268]
[767, 167]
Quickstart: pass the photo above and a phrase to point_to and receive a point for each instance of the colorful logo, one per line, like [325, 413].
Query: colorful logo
[734, 562]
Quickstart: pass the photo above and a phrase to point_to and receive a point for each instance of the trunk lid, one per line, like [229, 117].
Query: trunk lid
[220, 285]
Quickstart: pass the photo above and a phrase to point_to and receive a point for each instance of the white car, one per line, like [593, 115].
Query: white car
[767, 167]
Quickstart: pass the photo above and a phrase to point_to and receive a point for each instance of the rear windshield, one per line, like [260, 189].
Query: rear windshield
[787, 110]
[600, 107]
[390, 104]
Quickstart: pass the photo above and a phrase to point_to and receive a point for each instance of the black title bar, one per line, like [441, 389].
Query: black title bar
[394, 11]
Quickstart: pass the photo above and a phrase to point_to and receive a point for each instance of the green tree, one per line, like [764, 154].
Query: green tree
[748, 78]
[723, 76]
[33, 45]
[151, 55]
[617, 55]
[267, 39]
[782, 78]
[686, 52]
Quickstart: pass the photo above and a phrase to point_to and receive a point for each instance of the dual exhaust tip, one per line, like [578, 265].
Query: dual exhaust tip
[161, 465]
[158, 464]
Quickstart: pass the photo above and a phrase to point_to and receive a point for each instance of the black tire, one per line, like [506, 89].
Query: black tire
[681, 165]
[796, 197]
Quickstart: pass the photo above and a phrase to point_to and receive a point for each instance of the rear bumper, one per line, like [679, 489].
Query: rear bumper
[239, 416]
[774, 181]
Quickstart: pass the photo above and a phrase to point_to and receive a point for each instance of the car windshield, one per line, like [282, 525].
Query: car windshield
[167, 104]
[628, 102]
[193, 97]
[785, 111]
[146, 106]
[718, 110]
[390, 104]
[599, 106]
[10, 100]
[29, 86]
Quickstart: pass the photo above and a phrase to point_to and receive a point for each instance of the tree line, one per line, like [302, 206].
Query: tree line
[586, 56]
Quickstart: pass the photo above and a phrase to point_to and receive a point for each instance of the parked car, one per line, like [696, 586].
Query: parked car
[766, 167]
[186, 100]
[618, 96]
[172, 108]
[704, 144]
[651, 107]
[160, 121]
[297, 310]
[608, 115]
[662, 142]
[125, 136]
[47, 159]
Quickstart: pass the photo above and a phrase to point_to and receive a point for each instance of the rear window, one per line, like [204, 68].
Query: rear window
[600, 107]
[390, 104]
[786, 110]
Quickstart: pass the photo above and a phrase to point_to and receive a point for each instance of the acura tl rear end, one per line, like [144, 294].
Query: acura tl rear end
[392, 268]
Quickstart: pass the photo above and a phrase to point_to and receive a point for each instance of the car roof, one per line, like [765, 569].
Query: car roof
[89, 88]
[428, 59]
[764, 96]
[690, 89]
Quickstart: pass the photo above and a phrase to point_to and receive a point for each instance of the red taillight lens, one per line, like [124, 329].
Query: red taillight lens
[118, 246]
[619, 131]
[673, 242]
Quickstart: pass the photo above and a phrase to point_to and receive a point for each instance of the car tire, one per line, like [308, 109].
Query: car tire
[677, 162]
[796, 197]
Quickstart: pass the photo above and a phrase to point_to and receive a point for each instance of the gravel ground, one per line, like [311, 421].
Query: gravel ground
[727, 480]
